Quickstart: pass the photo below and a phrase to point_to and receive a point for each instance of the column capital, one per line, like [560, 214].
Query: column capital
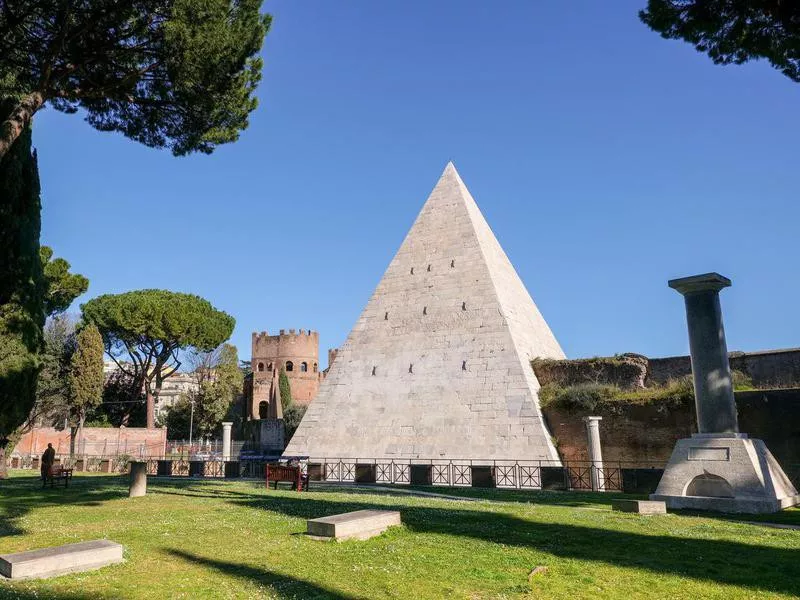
[227, 423]
[592, 419]
[707, 282]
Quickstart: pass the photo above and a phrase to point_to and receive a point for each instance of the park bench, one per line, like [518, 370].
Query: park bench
[57, 473]
[293, 475]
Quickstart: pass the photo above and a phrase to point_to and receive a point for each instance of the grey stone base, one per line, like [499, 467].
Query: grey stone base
[725, 473]
[728, 505]
[361, 524]
[642, 507]
[70, 558]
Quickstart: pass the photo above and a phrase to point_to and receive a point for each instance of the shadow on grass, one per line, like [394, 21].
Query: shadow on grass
[19, 495]
[283, 585]
[15, 593]
[551, 498]
[721, 561]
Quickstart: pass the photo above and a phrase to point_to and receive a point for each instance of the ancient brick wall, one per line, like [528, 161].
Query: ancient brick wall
[648, 432]
[628, 371]
[767, 369]
[96, 441]
[661, 370]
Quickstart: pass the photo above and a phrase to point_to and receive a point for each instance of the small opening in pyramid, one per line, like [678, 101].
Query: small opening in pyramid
[412, 270]
[424, 310]
[373, 370]
[411, 368]
[453, 263]
[463, 365]
[429, 268]
[463, 306]
[386, 316]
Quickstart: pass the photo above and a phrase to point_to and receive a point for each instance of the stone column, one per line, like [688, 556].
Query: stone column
[595, 453]
[226, 441]
[713, 387]
[138, 479]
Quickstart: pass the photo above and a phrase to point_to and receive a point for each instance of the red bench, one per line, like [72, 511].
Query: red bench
[57, 472]
[293, 475]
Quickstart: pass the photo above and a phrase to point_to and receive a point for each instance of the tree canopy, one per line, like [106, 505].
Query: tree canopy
[286, 389]
[733, 31]
[144, 331]
[219, 387]
[166, 73]
[86, 375]
[21, 282]
[61, 286]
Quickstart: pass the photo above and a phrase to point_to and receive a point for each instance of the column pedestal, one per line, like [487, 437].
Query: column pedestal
[718, 469]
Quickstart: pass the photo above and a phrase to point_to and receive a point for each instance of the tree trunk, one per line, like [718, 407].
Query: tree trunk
[151, 410]
[75, 434]
[3, 465]
[20, 117]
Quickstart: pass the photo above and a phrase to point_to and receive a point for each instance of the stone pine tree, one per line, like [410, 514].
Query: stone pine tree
[166, 73]
[145, 331]
[179, 74]
[733, 31]
[85, 378]
[61, 286]
[22, 312]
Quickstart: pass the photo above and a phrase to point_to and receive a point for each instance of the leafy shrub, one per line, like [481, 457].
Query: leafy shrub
[742, 381]
[291, 419]
[581, 397]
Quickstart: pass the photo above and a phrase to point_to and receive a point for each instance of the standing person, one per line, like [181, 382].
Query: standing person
[48, 458]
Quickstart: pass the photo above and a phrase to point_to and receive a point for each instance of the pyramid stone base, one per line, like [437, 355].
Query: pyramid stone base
[725, 473]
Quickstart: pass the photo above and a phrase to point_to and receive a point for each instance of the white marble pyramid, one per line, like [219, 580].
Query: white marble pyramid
[438, 364]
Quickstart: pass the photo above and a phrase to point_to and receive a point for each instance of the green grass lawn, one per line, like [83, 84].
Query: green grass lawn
[227, 539]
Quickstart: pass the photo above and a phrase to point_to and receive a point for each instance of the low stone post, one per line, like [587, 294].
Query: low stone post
[226, 440]
[138, 479]
[713, 387]
[595, 453]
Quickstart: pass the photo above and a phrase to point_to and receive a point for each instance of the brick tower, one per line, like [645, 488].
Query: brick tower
[297, 353]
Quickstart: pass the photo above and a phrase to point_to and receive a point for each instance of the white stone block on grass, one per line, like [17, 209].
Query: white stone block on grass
[641, 507]
[359, 525]
[70, 558]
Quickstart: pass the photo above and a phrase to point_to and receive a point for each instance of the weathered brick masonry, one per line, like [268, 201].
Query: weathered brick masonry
[648, 432]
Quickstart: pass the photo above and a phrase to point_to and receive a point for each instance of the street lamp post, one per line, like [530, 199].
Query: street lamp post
[191, 423]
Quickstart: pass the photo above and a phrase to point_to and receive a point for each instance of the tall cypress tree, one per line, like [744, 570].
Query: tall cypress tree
[286, 389]
[21, 285]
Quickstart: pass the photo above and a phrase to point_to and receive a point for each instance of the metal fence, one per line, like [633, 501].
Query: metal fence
[610, 476]
[635, 477]
[210, 449]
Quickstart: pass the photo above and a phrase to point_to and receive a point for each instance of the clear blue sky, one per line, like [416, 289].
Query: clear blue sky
[606, 159]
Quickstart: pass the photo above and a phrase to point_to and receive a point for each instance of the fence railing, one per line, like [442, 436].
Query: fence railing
[636, 477]
[206, 448]
[610, 476]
